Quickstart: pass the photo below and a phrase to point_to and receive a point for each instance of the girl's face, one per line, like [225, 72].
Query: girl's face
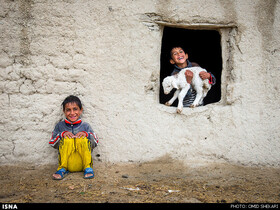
[72, 112]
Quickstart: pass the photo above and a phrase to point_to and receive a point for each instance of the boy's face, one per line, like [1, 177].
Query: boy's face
[72, 112]
[178, 56]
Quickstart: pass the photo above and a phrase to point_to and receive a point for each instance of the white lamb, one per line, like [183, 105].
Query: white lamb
[179, 82]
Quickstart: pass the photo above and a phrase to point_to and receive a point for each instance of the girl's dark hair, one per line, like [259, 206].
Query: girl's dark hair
[72, 99]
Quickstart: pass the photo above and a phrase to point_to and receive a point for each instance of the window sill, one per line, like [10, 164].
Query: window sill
[191, 111]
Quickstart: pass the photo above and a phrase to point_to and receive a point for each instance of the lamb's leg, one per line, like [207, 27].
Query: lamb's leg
[201, 100]
[181, 98]
[199, 94]
[168, 103]
[204, 93]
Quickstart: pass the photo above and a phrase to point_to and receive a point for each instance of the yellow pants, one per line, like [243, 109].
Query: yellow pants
[75, 154]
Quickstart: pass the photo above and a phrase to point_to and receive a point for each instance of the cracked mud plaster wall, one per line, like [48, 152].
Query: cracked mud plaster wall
[108, 53]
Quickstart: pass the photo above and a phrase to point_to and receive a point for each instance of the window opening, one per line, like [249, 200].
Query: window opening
[203, 47]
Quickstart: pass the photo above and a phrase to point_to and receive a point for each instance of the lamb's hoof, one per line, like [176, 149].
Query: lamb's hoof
[167, 104]
[179, 111]
[193, 106]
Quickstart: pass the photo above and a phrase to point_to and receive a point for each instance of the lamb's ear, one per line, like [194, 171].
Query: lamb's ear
[174, 84]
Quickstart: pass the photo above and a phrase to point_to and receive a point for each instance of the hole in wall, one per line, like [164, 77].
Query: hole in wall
[203, 47]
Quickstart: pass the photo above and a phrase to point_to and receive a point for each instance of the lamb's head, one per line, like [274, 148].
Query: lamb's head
[168, 84]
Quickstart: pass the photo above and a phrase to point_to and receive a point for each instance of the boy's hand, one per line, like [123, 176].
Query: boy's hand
[68, 134]
[204, 75]
[189, 76]
[71, 135]
[80, 135]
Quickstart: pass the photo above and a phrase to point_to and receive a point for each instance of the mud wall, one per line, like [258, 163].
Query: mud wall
[108, 53]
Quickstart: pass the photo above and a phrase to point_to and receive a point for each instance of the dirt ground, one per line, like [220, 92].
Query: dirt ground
[161, 181]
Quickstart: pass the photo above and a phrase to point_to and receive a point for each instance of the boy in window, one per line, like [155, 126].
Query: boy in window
[179, 59]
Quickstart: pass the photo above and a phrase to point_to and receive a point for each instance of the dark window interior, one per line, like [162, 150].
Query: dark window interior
[203, 47]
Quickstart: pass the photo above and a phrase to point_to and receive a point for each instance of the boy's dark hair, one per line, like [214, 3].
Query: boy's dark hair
[175, 46]
[72, 99]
